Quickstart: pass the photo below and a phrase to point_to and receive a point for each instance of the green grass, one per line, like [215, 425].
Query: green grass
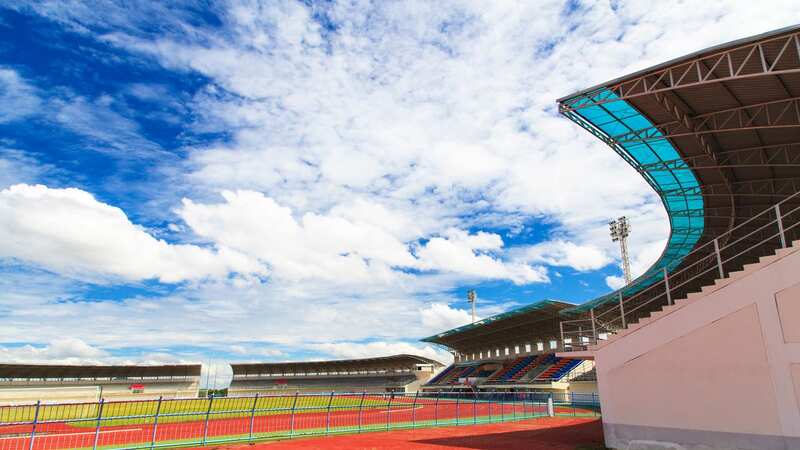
[185, 410]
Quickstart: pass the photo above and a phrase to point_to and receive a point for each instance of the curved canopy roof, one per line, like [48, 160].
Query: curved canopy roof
[536, 322]
[715, 133]
[393, 362]
[36, 371]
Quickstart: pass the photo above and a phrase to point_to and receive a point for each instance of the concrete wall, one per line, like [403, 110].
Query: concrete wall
[720, 370]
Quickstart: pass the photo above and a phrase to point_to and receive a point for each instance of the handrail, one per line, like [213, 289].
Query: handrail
[707, 257]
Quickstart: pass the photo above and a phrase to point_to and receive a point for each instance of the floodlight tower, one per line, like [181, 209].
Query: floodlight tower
[472, 298]
[620, 229]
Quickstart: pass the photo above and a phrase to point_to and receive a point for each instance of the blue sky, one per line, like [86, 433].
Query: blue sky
[289, 180]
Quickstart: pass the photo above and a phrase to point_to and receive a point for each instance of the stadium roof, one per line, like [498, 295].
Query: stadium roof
[715, 133]
[342, 365]
[36, 371]
[532, 323]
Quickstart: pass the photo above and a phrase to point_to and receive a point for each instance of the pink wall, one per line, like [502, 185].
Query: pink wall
[719, 370]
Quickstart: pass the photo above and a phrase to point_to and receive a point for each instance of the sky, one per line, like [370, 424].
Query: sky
[294, 180]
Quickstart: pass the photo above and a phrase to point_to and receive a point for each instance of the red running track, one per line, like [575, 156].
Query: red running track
[60, 436]
[557, 433]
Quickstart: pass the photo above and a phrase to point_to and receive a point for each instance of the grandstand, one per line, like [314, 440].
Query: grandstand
[708, 335]
[28, 383]
[397, 373]
[511, 351]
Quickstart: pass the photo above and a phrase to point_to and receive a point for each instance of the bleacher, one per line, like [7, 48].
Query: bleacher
[557, 371]
[444, 375]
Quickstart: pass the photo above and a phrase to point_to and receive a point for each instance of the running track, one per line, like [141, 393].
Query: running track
[60, 436]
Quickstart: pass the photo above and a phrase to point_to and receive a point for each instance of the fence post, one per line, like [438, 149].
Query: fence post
[594, 327]
[780, 225]
[719, 258]
[155, 424]
[291, 419]
[436, 410]
[502, 407]
[361, 410]
[414, 411]
[389, 411]
[489, 402]
[622, 311]
[514, 405]
[475, 408]
[666, 285]
[253, 416]
[97, 428]
[35, 422]
[550, 409]
[205, 426]
[458, 400]
[328, 415]
[524, 411]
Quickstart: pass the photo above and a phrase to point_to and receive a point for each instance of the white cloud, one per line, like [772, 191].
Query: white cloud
[565, 253]
[18, 99]
[335, 249]
[347, 350]
[69, 231]
[615, 282]
[439, 316]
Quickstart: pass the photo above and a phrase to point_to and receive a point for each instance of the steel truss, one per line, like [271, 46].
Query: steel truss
[778, 114]
[782, 155]
[775, 56]
[753, 188]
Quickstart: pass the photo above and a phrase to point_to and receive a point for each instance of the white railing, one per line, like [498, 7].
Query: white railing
[745, 243]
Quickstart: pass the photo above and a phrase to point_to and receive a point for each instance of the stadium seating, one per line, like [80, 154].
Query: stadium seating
[441, 376]
[561, 367]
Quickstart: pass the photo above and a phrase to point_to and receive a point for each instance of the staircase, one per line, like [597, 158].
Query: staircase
[718, 284]
[712, 265]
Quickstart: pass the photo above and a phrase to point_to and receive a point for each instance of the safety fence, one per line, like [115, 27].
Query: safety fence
[149, 424]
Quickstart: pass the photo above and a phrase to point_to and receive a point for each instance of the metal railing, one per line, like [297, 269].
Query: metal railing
[761, 235]
[149, 424]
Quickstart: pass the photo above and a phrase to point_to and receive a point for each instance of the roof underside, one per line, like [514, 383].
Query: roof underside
[34, 371]
[343, 365]
[532, 323]
[716, 134]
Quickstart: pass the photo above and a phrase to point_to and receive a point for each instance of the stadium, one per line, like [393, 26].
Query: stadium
[702, 351]
[398, 373]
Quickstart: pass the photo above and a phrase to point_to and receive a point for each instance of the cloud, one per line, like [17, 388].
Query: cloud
[615, 282]
[439, 316]
[69, 231]
[335, 249]
[347, 350]
[64, 350]
[18, 99]
[565, 254]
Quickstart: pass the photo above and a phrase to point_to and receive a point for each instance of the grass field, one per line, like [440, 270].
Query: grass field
[188, 410]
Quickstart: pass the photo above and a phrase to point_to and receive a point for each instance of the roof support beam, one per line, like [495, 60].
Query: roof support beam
[777, 114]
[771, 187]
[745, 61]
[782, 155]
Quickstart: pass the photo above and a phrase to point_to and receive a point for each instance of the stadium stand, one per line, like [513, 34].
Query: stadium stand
[28, 383]
[510, 351]
[712, 325]
[398, 373]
